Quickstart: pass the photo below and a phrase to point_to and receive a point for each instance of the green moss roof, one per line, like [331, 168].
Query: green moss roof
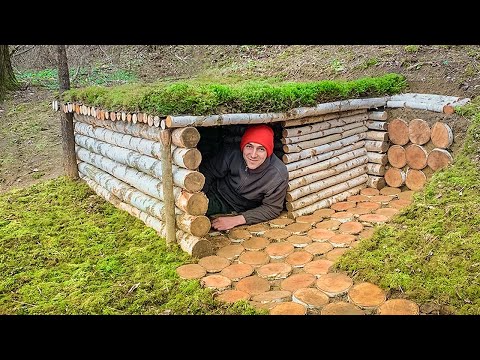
[200, 98]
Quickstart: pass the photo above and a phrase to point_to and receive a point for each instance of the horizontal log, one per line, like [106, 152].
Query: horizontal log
[327, 202]
[377, 135]
[292, 148]
[376, 125]
[424, 98]
[435, 107]
[376, 182]
[309, 120]
[375, 169]
[376, 146]
[377, 158]
[321, 133]
[378, 115]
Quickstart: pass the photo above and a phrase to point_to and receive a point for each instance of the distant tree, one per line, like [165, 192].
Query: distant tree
[7, 77]
[66, 119]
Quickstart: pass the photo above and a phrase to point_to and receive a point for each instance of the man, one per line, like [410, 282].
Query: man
[250, 181]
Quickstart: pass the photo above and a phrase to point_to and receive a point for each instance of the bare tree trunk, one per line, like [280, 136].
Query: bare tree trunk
[7, 77]
[66, 119]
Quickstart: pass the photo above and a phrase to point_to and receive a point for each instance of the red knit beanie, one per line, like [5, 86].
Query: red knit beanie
[260, 134]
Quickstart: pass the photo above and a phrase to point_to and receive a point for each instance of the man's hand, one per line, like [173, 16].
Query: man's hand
[227, 222]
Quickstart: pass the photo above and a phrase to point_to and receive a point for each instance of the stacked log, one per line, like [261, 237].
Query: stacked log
[432, 102]
[417, 151]
[326, 159]
[121, 161]
[376, 144]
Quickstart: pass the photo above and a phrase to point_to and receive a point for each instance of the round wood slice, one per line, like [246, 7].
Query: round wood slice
[388, 212]
[406, 195]
[214, 263]
[288, 308]
[191, 271]
[351, 227]
[324, 212]
[299, 241]
[390, 191]
[416, 156]
[310, 298]
[365, 234]
[231, 252]
[239, 235]
[277, 234]
[328, 224]
[383, 199]
[297, 281]
[298, 228]
[372, 218]
[398, 131]
[344, 205]
[275, 271]
[396, 156]
[358, 198]
[231, 296]
[400, 203]
[439, 158]
[258, 229]
[366, 192]
[415, 180]
[274, 296]
[311, 219]
[366, 295]
[255, 243]
[419, 131]
[442, 135]
[370, 205]
[319, 248]
[398, 307]
[342, 216]
[334, 254]
[320, 235]
[216, 282]
[299, 258]
[341, 240]
[318, 267]
[394, 177]
[235, 272]
[254, 258]
[253, 285]
[280, 223]
[341, 308]
[334, 284]
[279, 250]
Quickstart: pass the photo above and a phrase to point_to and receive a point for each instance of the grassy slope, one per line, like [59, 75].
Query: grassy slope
[431, 251]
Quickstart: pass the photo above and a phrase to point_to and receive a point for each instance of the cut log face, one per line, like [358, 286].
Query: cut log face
[394, 177]
[398, 131]
[419, 131]
[396, 156]
[366, 295]
[416, 156]
[415, 179]
[442, 135]
[439, 158]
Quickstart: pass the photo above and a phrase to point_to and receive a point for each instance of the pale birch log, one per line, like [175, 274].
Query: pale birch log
[187, 137]
[376, 146]
[375, 169]
[321, 126]
[377, 158]
[167, 182]
[376, 125]
[195, 225]
[461, 102]
[292, 148]
[377, 135]
[321, 133]
[304, 154]
[193, 245]
[327, 192]
[194, 204]
[330, 162]
[156, 121]
[377, 115]
[376, 182]
[327, 202]
[296, 113]
[321, 118]
[330, 171]
[189, 180]
[186, 158]
[314, 187]
[298, 165]
[424, 98]
[435, 107]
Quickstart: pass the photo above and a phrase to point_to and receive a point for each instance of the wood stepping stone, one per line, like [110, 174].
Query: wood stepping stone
[394, 177]
[398, 307]
[341, 308]
[334, 284]
[396, 156]
[260, 306]
[288, 308]
[359, 211]
[236, 272]
[324, 212]
[298, 228]
[389, 191]
[254, 258]
[239, 235]
[351, 227]
[366, 233]
[398, 131]
[373, 218]
[231, 296]
[383, 199]
[342, 216]
[406, 195]
[416, 156]
[219, 241]
[319, 248]
[358, 198]
[279, 250]
[371, 206]
[256, 243]
[231, 252]
[328, 225]
[335, 253]
[419, 131]
[258, 229]
[318, 267]
[191, 271]
[354, 244]
[341, 240]
[277, 234]
[343, 205]
[369, 191]
[297, 281]
[309, 219]
[311, 298]
[388, 212]
[253, 285]
[299, 241]
[442, 135]
[275, 271]
[214, 263]
[400, 203]
[320, 235]
[438, 159]
[366, 295]
[299, 258]
[280, 223]
[274, 296]
[216, 282]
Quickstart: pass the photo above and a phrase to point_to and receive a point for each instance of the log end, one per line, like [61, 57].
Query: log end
[448, 109]
[197, 204]
[192, 159]
[168, 121]
[194, 181]
[201, 226]
[202, 248]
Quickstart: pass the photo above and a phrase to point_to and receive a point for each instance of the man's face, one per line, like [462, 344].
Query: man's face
[254, 155]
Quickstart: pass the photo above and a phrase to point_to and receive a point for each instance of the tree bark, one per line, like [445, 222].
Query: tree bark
[66, 119]
[7, 77]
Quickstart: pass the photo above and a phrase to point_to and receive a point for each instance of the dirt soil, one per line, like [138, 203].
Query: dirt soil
[30, 142]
